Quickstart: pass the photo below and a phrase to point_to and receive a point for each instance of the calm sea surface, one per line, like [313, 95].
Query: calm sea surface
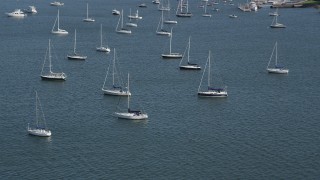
[268, 127]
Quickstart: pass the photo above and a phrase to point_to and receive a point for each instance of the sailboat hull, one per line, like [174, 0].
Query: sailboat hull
[54, 77]
[172, 56]
[103, 49]
[213, 94]
[131, 116]
[39, 132]
[170, 22]
[88, 20]
[278, 71]
[60, 32]
[190, 67]
[116, 92]
[77, 57]
[124, 31]
[184, 15]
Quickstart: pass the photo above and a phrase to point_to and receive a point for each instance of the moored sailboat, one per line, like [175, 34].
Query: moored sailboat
[87, 19]
[102, 48]
[49, 75]
[277, 68]
[116, 88]
[188, 66]
[131, 114]
[211, 91]
[75, 55]
[40, 128]
[58, 30]
[171, 55]
[122, 30]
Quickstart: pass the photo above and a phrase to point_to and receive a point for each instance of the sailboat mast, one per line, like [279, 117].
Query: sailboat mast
[209, 69]
[170, 40]
[37, 115]
[128, 96]
[189, 49]
[75, 41]
[58, 20]
[161, 20]
[122, 19]
[87, 11]
[113, 66]
[276, 46]
[100, 35]
[50, 57]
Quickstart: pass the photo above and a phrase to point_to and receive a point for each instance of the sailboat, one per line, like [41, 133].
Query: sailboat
[116, 88]
[51, 75]
[206, 14]
[181, 7]
[135, 16]
[121, 29]
[211, 91]
[76, 56]
[58, 30]
[188, 66]
[277, 69]
[160, 30]
[275, 23]
[131, 114]
[87, 19]
[40, 128]
[171, 54]
[102, 48]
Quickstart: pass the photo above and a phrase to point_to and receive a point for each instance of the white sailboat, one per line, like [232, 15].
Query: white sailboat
[180, 10]
[277, 69]
[206, 14]
[87, 19]
[131, 114]
[102, 48]
[135, 16]
[122, 30]
[275, 23]
[40, 128]
[211, 91]
[160, 30]
[58, 30]
[171, 54]
[49, 75]
[188, 66]
[116, 88]
[76, 56]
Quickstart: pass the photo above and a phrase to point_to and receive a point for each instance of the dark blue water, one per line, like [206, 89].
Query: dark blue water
[268, 127]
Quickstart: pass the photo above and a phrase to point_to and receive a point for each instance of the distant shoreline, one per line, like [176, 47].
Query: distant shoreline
[302, 4]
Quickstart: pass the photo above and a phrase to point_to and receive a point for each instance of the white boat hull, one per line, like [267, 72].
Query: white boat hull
[54, 76]
[190, 67]
[172, 55]
[116, 92]
[60, 32]
[88, 20]
[212, 94]
[277, 25]
[39, 132]
[131, 116]
[184, 15]
[278, 71]
[103, 49]
[163, 33]
[206, 15]
[77, 57]
[132, 24]
[123, 31]
[170, 22]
